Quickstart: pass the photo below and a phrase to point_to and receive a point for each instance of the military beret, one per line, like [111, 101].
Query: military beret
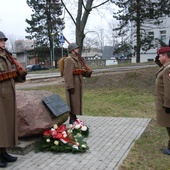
[163, 50]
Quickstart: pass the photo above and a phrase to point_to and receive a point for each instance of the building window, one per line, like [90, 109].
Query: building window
[151, 35]
[163, 36]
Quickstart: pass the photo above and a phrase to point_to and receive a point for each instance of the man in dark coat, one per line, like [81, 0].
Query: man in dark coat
[163, 92]
[8, 117]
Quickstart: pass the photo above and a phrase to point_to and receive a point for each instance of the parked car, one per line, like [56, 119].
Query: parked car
[36, 67]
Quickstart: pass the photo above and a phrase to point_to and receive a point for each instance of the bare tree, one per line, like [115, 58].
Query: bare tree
[84, 9]
[91, 43]
[10, 44]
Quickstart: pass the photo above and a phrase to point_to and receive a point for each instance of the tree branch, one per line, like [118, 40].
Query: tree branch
[100, 4]
[69, 13]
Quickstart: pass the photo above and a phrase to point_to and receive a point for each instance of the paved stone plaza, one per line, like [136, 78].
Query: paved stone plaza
[110, 140]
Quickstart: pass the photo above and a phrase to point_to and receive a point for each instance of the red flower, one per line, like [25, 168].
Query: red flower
[57, 136]
[61, 128]
[47, 133]
[58, 133]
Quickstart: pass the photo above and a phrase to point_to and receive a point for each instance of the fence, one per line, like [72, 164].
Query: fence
[102, 62]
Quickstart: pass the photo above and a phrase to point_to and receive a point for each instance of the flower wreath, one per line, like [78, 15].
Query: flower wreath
[63, 139]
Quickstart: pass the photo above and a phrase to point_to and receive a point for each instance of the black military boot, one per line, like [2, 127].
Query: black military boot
[72, 118]
[3, 163]
[8, 158]
[166, 151]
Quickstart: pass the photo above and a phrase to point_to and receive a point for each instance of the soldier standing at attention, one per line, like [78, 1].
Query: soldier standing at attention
[163, 93]
[8, 116]
[74, 71]
[73, 83]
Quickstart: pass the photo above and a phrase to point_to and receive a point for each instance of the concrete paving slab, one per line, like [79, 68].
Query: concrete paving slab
[110, 141]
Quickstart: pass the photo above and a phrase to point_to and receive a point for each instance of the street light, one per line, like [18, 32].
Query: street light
[52, 53]
[25, 57]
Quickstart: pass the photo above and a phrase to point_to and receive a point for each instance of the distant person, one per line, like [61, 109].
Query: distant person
[74, 71]
[163, 93]
[8, 115]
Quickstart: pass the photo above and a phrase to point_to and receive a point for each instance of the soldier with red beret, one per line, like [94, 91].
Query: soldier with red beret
[163, 92]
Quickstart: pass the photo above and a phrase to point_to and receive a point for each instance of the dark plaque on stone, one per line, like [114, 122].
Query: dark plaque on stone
[56, 105]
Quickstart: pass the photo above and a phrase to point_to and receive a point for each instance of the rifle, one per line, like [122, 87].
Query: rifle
[20, 69]
[87, 68]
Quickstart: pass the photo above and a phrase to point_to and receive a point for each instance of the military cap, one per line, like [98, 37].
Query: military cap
[72, 46]
[163, 50]
[2, 36]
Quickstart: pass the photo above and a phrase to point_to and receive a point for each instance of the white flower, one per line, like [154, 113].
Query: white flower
[64, 134]
[83, 146]
[69, 131]
[47, 140]
[56, 142]
[78, 135]
[52, 129]
[77, 126]
[84, 128]
[55, 126]
[70, 126]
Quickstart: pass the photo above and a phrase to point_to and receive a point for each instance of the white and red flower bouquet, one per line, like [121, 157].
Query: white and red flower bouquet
[63, 139]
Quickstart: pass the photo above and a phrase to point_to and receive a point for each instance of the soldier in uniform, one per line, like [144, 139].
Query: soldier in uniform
[163, 93]
[8, 117]
[73, 76]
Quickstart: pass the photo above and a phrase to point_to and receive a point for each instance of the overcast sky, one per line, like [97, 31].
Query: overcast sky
[14, 12]
[12, 17]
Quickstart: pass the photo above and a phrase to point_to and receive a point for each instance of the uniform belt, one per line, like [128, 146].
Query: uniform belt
[78, 71]
[8, 75]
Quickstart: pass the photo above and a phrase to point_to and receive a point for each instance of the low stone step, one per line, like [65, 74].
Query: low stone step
[25, 145]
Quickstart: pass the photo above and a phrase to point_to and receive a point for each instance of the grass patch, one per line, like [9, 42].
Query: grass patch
[127, 94]
[118, 103]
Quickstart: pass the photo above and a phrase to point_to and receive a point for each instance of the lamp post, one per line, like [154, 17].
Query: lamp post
[102, 40]
[51, 62]
[25, 57]
[52, 53]
[61, 49]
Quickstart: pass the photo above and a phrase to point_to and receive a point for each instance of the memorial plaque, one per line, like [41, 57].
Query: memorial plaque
[56, 105]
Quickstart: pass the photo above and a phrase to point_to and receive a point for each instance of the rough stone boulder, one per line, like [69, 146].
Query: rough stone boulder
[33, 116]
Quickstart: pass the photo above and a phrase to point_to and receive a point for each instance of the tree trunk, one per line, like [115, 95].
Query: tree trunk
[83, 12]
[138, 38]
[81, 21]
[79, 40]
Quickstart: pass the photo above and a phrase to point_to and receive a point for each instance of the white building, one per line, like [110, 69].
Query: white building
[162, 32]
